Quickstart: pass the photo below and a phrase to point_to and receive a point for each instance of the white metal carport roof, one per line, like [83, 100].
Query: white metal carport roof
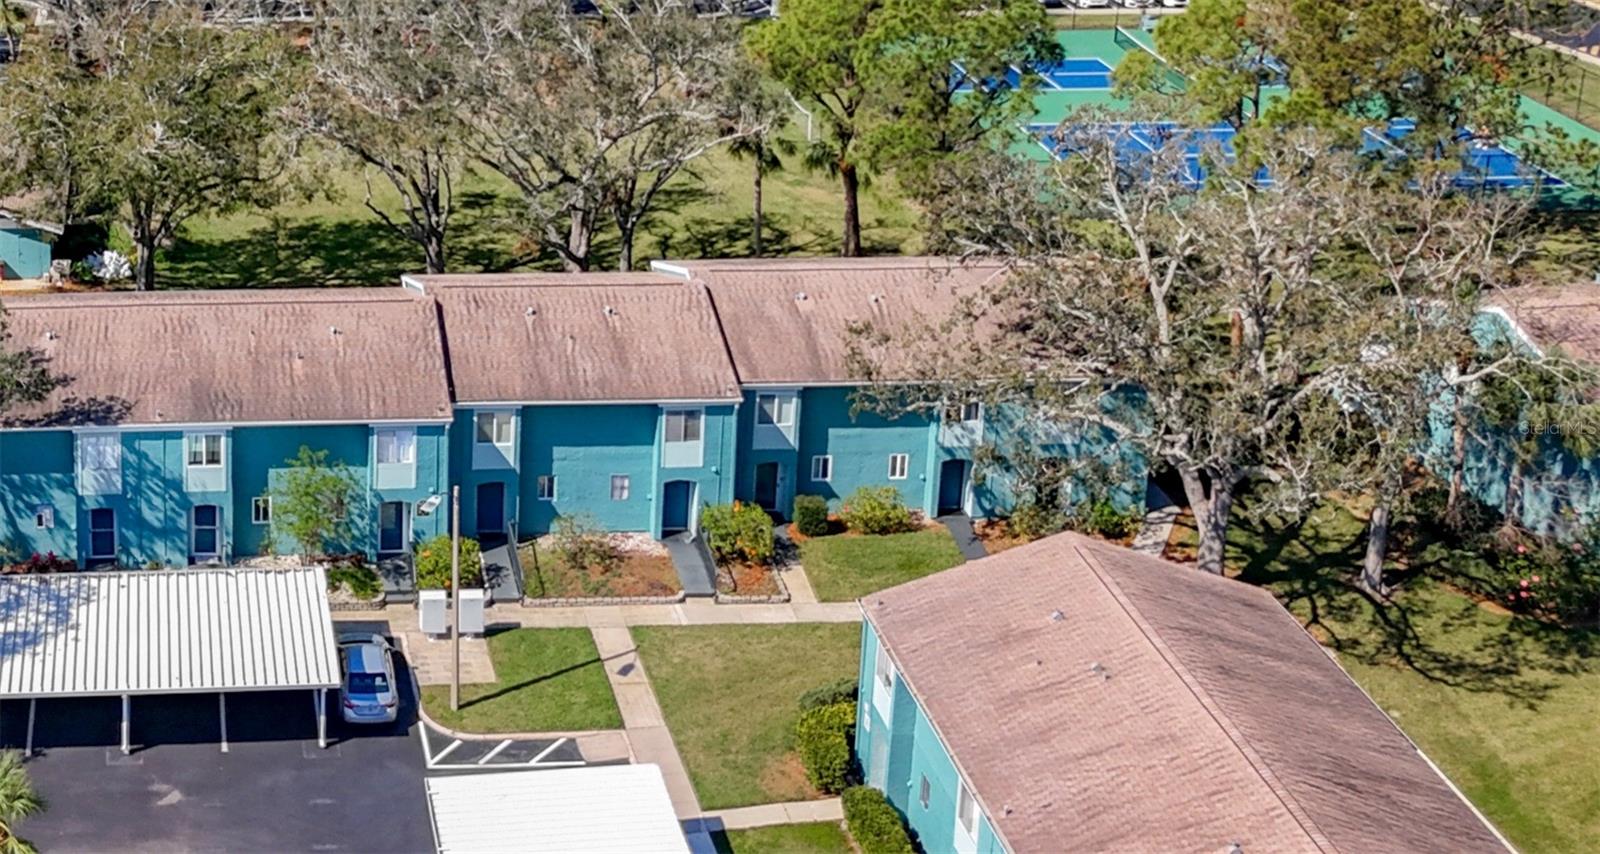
[604, 809]
[165, 632]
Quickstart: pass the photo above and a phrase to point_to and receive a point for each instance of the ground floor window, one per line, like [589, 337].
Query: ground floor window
[822, 468]
[102, 533]
[547, 487]
[207, 531]
[261, 510]
[899, 465]
[620, 486]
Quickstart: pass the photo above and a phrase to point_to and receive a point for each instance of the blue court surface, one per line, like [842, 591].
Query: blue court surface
[1068, 74]
[1482, 164]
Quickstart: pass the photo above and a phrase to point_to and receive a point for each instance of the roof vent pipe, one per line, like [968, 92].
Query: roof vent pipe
[801, 296]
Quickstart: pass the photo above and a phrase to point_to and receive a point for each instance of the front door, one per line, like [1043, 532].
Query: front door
[391, 527]
[676, 502]
[952, 486]
[491, 508]
[767, 486]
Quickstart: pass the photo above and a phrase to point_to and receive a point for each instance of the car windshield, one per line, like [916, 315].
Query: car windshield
[368, 683]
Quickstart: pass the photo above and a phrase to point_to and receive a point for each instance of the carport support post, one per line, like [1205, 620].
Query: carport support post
[322, 717]
[127, 712]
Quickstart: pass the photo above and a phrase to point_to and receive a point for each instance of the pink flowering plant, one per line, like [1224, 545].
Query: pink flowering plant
[1547, 579]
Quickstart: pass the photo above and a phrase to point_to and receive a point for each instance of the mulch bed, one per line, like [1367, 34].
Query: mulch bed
[639, 574]
[747, 579]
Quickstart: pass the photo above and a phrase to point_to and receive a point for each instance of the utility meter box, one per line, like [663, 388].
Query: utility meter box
[433, 616]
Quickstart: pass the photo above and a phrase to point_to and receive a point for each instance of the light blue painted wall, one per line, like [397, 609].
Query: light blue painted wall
[1560, 492]
[36, 468]
[583, 445]
[897, 754]
[24, 253]
[860, 445]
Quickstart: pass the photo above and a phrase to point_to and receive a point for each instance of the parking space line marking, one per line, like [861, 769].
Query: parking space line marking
[546, 752]
[565, 763]
[446, 752]
[222, 714]
[495, 752]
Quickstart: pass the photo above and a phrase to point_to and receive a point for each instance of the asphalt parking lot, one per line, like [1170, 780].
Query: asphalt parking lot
[274, 790]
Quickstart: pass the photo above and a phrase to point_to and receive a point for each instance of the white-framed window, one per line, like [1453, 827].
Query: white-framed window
[883, 682]
[683, 425]
[966, 810]
[883, 668]
[205, 535]
[261, 510]
[102, 533]
[923, 792]
[397, 446]
[495, 428]
[899, 466]
[547, 487]
[204, 450]
[100, 458]
[621, 485]
[775, 409]
[822, 468]
[971, 412]
[44, 517]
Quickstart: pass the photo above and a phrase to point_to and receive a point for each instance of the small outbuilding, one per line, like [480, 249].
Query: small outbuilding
[152, 632]
[24, 248]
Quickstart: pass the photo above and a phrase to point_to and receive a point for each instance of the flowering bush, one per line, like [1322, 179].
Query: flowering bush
[1547, 579]
[41, 563]
[109, 266]
[737, 532]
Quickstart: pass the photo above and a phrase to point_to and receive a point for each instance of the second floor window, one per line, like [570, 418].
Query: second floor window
[683, 425]
[775, 409]
[205, 449]
[397, 446]
[494, 428]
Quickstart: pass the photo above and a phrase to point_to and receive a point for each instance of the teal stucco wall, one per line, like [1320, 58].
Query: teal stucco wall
[154, 508]
[899, 750]
[583, 446]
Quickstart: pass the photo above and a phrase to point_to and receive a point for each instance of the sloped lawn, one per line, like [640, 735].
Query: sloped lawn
[731, 698]
[843, 567]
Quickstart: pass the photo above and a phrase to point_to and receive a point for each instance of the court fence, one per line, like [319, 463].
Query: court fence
[1573, 91]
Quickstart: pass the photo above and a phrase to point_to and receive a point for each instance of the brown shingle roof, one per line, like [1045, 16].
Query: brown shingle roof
[1565, 318]
[586, 337]
[234, 357]
[1165, 710]
[788, 320]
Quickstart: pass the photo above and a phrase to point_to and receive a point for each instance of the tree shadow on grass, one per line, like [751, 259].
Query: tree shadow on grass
[1312, 565]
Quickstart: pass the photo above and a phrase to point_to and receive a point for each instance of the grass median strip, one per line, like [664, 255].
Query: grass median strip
[731, 696]
[550, 680]
[823, 837]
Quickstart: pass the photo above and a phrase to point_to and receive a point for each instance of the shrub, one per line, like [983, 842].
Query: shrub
[433, 564]
[875, 510]
[737, 531]
[581, 544]
[842, 691]
[874, 824]
[1101, 518]
[1031, 521]
[811, 515]
[822, 737]
[1544, 579]
[361, 580]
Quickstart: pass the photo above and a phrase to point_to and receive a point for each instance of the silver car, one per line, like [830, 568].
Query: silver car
[367, 693]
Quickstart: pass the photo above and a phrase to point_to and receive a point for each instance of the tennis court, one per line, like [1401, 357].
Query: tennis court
[1072, 74]
[1483, 164]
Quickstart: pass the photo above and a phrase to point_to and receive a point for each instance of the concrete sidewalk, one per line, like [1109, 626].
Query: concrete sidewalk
[692, 613]
[642, 720]
[766, 815]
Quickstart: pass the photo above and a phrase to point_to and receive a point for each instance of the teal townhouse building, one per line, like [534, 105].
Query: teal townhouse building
[1074, 695]
[1557, 491]
[178, 411]
[632, 399]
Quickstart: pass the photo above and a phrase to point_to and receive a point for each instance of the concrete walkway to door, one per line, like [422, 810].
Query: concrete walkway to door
[695, 570]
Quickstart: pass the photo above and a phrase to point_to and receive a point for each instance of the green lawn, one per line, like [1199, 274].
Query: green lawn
[845, 567]
[820, 838]
[1506, 705]
[731, 694]
[551, 680]
[328, 237]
